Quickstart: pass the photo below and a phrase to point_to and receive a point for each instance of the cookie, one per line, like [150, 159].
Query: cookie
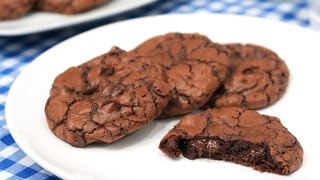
[236, 135]
[258, 78]
[68, 6]
[105, 99]
[10, 9]
[195, 68]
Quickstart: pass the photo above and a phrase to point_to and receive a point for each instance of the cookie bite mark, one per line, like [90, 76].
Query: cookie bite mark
[236, 135]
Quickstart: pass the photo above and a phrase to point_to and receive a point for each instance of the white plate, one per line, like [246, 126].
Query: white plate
[37, 21]
[138, 156]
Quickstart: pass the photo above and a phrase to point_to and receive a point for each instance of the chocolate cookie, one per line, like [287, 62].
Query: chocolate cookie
[68, 6]
[105, 99]
[258, 78]
[195, 68]
[11, 9]
[236, 135]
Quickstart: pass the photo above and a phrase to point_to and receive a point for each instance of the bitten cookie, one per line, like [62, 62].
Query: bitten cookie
[11, 9]
[105, 99]
[236, 135]
[258, 78]
[195, 68]
[68, 6]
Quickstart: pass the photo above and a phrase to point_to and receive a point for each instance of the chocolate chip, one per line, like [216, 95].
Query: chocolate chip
[108, 71]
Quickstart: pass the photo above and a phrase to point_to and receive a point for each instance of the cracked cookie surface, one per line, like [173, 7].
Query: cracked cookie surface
[195, 67]
[105, 99]
[237, 135]
[68, 6]
[11, 9]
[258, 78]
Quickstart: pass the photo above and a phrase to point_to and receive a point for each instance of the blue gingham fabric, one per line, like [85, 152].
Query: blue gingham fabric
[17, 52]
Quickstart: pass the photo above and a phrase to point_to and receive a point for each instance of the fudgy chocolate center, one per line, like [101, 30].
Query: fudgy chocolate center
[242, 152]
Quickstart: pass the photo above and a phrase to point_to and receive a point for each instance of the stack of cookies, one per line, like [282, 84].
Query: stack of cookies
[119, 92]
[12, 9]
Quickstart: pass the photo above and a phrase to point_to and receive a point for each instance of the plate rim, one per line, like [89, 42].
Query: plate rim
[85, 19]
[9, 106]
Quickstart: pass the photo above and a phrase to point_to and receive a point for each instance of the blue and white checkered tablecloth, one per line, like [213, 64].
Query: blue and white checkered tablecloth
[17, 52]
